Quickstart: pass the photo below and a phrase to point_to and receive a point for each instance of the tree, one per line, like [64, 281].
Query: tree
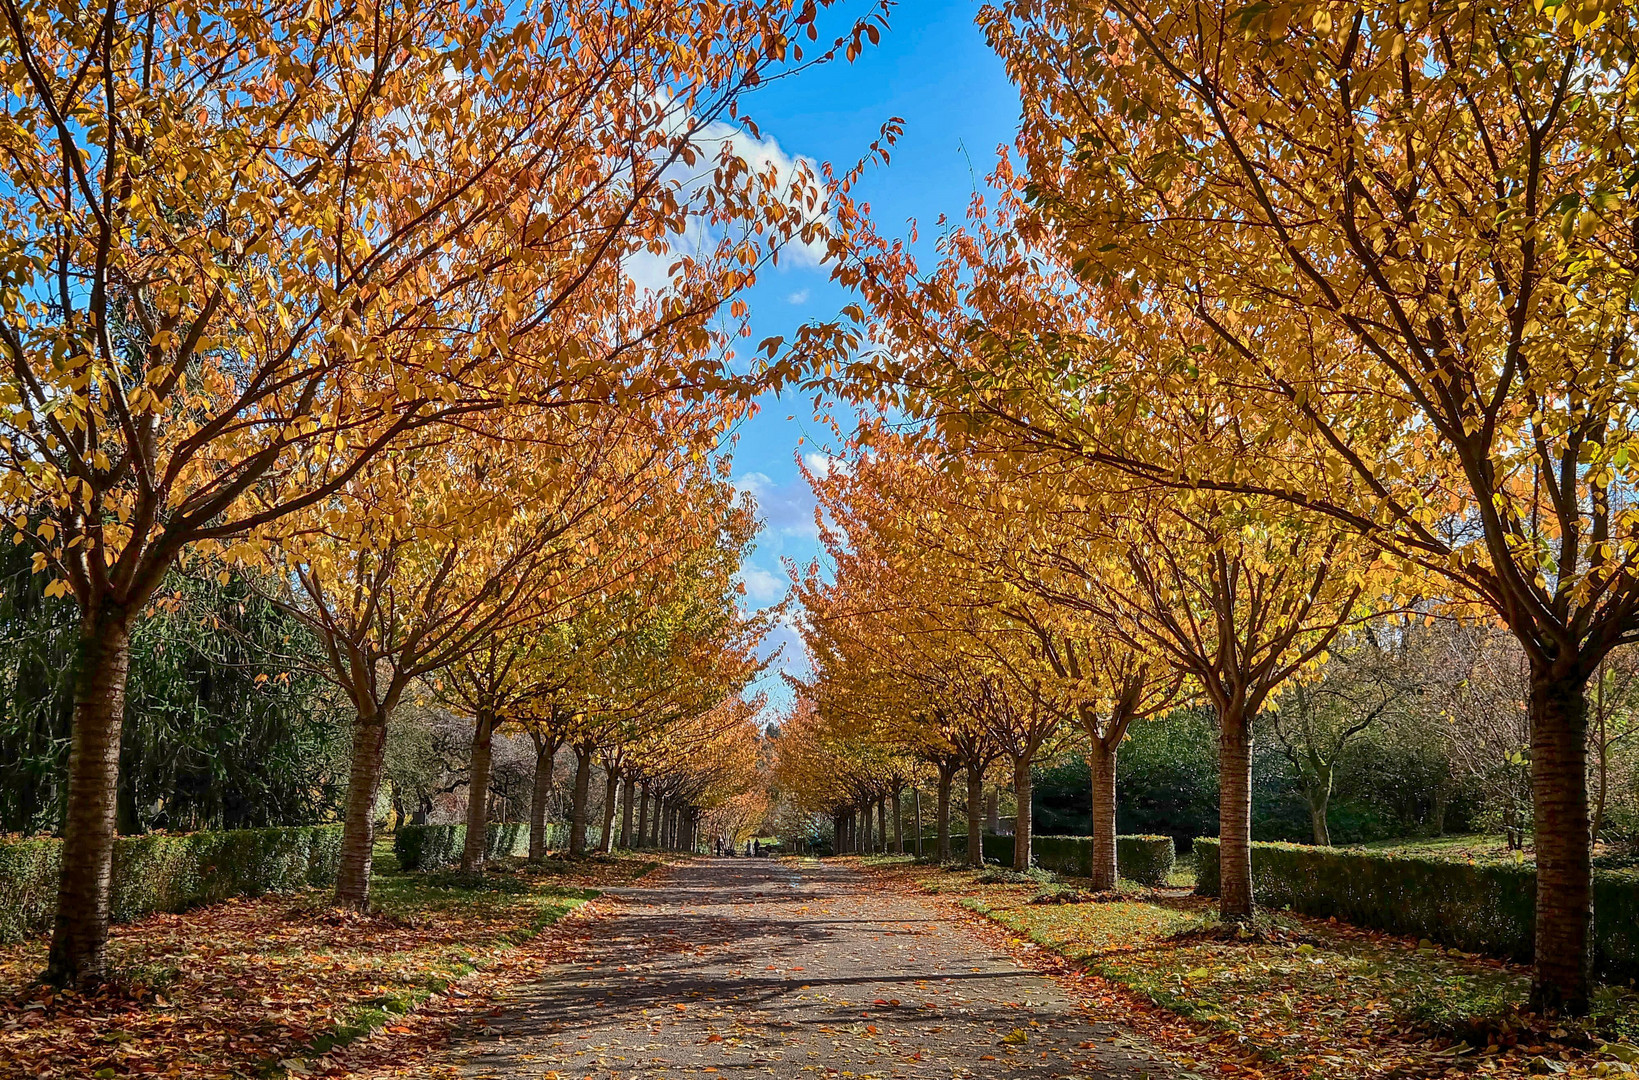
[1364, 677]
[1399, 241]
[242, 242]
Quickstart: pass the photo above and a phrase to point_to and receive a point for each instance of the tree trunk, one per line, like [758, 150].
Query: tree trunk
[643, 818]
[1234, 816]
[1559, 799]
[1101, 765]
[898, 826]
[483, 741]
[79, 939]
[1023, 795]
[611, 795]
[357, 836]
[540, 794]
[659, 811]
[577, 807]
[916, 798]
[946, 774]
[628, 793]
[882, 824]
[1318, 801]
[975, 816]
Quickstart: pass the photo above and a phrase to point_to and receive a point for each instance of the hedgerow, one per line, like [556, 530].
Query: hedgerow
[438, 847]
[163, 872]
[1144, 859]
[1478, 907]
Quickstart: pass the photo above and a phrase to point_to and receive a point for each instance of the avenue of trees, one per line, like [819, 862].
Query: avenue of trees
[369, 368]
[1286, 333]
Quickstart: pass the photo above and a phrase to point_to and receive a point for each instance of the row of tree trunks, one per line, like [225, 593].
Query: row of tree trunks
[628, 793]
[611, 793]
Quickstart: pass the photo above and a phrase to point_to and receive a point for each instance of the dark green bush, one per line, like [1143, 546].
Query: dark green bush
[1144, 859]
[438, 847]
[1147, 860]
[159, 872]
[1480, 907]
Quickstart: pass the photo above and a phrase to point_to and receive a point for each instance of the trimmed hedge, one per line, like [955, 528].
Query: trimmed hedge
[161, 872]
[1478, 907]
[1144, 859]
[438, 847]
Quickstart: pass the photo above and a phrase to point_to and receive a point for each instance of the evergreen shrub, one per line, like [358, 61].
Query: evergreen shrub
[1478, 907]
[1147, 860]
[163, 872]
[438, 847]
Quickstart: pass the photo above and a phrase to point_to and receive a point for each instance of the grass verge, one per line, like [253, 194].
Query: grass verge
[1300, 997]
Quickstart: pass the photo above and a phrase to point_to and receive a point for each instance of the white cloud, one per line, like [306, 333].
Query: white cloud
[786, 509]
[798, 297]
[762, 586]
[791, 179]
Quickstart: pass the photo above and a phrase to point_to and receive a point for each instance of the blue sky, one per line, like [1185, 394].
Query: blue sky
[934, 70]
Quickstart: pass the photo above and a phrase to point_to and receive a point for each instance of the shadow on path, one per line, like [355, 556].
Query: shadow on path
[754, 967]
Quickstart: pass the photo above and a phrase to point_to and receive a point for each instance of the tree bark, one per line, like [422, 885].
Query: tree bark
[916, 798]
[946, 774]
[540, 794]
[882, 824]
[628, 793]
[1559, 799]
[1234, 816]
[578, 807]
[1318, 802]
[357, 834]
[898, 826]
[975, 816]
[1101, 766]
[79, 939]
[643, 818]
[1023, 795]
[611, 794]
[483, 742]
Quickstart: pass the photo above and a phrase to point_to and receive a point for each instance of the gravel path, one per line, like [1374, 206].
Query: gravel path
[749, 968]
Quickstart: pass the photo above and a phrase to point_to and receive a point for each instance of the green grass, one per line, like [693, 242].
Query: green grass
[1299, 991]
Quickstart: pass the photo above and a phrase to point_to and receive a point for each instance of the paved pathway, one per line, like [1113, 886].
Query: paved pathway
[749, 968]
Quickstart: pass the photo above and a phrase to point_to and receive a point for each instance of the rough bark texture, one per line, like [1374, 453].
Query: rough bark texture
[975, 817]
[79, 940]
[357, 834]
[1559, 798]
[1235, 816]
[539, 796]
[916, 804]
[578, 807]
[1101, 765]
[483, 742]
[1318, 802]
[946, 774]
[628, 793]
[611, 795]
[1021, 817]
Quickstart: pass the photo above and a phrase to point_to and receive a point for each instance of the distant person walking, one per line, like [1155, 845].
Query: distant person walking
[756, 848]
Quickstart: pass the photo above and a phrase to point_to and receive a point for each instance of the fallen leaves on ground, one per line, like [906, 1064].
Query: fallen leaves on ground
[1304, 998]
[255, 986]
